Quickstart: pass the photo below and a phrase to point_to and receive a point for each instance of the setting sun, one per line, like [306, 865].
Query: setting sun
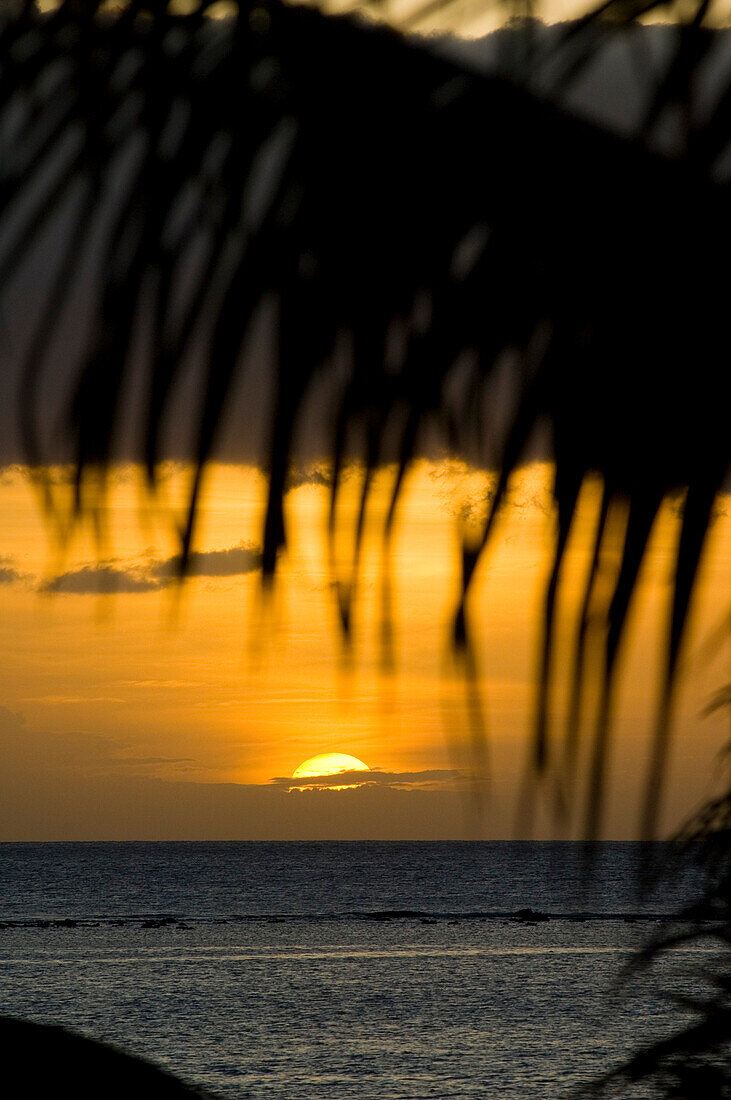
[329, 763]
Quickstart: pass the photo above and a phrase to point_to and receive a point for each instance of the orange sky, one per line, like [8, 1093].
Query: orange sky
[154, 713]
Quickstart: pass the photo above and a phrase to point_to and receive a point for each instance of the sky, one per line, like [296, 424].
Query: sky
[133, 709]
[477, 17]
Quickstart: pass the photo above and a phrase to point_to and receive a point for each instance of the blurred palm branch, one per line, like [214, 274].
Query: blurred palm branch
[695, 1060]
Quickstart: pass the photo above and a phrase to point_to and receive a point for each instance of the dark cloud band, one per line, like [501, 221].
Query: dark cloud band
[100, 579]
[109, 579]
[235, 561]
[375, 777]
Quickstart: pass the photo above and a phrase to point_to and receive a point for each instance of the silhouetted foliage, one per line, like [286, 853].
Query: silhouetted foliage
[695, 1061]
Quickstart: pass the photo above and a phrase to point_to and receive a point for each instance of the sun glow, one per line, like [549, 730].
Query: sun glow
[328, 763]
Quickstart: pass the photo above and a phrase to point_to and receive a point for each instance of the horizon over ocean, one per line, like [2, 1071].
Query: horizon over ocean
[348, 969]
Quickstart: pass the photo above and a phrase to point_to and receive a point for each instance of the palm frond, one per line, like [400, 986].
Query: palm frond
[694, 1060]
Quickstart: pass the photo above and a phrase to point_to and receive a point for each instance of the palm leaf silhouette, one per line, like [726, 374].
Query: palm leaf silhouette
[695, 1060]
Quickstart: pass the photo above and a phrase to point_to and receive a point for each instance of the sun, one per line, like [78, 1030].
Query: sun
[328, 763]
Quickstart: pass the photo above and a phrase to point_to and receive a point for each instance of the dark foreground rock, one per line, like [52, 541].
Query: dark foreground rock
[48, 1062]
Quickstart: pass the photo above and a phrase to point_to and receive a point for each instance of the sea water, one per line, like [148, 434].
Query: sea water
[348, 970]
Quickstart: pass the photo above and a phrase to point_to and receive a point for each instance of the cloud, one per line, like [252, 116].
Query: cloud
[63, 700]
[100, 580]
[187, 683]
[149, 761]
[114, 577]
[373, 778]
[309, 475]
[27, 751]
[80, 786]
[8, 573]
[236, 560]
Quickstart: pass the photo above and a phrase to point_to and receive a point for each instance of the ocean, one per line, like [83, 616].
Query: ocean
[348, 970]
